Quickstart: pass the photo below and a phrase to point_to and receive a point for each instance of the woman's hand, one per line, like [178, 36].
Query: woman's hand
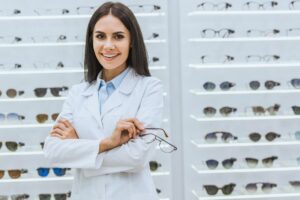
[64, 130]
[125, 130]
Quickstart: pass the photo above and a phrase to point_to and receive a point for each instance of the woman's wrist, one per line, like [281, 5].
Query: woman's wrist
[106, 144]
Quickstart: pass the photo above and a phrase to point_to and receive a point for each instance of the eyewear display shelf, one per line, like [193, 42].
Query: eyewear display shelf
[42, 46]
[240, 101]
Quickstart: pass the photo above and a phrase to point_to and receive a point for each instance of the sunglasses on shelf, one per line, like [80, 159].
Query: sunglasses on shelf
[254, 85]
[42, 118]
[15, 197]
[12, 146]
[227, 163]
[207, 5]
[226, 85]
[13, 173]
[12, 93]
[296, 110]
[43, 172]
[295, 184]
[225, 111]
[267, 162]
[154, 165]
[265, 187]
[256, 5]
[213, 189]
[55, 91]
[58, 196]
[11, 117]
[225, 137]
[272, 110]
[255, 137]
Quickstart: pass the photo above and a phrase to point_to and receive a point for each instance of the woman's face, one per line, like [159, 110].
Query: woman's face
[111, 43]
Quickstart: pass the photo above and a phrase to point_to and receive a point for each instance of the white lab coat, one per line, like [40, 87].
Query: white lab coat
[121, 173]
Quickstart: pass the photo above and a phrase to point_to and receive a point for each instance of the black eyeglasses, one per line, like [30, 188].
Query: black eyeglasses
[263, 58]
[296, 110]
[207, 5]
[255, 137]
[153, 36]
[209, 59]
[55, 91]
[225, 111]
[48, 65]
[227, 163]
[295, 83]
[213, 189]
[267, 162]
[226, 85]
[293, 5]
[272, 110]
[12, 117]
[12, 146]
[154, 165]
[262, 33]
[164, 145]
[254, 5]
[212, 137]
[59, 196]
[269, 84]
[212, 33]
[15, 197]
[12, 93]
[265, 187]
[13, 173]
[145, 8]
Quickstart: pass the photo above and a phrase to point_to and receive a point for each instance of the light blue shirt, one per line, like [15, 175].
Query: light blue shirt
[106, 89]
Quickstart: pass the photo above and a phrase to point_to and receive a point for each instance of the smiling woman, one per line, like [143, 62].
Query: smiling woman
[102, 129]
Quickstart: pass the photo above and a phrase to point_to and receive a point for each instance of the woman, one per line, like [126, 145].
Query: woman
[98, 129]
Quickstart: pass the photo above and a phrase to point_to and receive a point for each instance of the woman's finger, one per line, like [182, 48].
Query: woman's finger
[60, 126]
[56, 135]
[67, 123]
[59, 131]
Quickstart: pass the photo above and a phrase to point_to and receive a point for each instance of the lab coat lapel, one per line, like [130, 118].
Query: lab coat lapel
[92, 102]
[118, 96]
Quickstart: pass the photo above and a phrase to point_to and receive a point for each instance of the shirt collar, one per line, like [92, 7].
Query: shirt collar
[115, 82]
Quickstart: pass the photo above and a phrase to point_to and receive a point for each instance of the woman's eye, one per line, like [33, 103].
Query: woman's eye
[100, 36]
[118, 37]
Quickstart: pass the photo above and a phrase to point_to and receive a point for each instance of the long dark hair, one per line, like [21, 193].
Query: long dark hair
[137, 58]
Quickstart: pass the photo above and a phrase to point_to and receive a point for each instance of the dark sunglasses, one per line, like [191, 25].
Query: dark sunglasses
[296, 83]
[55, 91]
[13, 173]
[254, 85]
[272, 110]
[43, 172]
[267, 162]
[12, 146]
[15, 197]
[154, 165]
[269, 136]
[42, 118]
[295, 184]
[225, 136]
[11, 117]
[225, 111]
[226, 85]
[296, 110]
[227, 164]
[265, 187]
[59, 196]
[12, 93]
[213, 189]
